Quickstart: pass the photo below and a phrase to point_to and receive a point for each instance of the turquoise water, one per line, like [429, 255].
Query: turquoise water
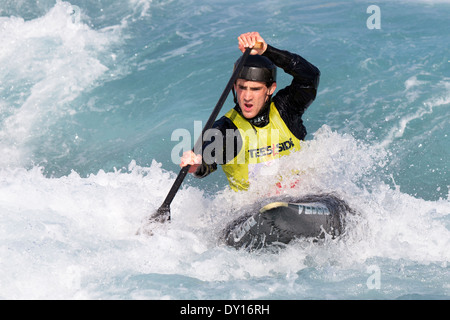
[92, 91]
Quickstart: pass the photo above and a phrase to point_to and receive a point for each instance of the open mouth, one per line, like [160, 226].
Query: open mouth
[248, 106]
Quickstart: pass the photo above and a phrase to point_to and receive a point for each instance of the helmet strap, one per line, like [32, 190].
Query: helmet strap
[234, 95]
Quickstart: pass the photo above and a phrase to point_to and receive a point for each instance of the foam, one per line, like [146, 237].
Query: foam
[48, 62]
[74, 237]
[440, 99]
[82, 230]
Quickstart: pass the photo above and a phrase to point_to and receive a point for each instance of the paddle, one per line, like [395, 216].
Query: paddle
[163, 213]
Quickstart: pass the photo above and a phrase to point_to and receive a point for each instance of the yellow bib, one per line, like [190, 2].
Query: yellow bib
[261, 147]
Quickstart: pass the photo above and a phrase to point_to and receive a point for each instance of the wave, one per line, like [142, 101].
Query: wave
[83, 230]
[50, 61]
[73, 235]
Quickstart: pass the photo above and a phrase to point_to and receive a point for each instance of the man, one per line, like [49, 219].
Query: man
[260, 128]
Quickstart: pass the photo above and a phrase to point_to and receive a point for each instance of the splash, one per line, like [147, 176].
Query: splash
[74, 236]
[82, 230]
[48, 62]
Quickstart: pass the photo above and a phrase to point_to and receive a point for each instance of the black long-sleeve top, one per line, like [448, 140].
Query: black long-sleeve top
[291, 102]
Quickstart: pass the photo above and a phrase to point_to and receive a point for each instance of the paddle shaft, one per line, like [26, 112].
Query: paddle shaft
[165, 207]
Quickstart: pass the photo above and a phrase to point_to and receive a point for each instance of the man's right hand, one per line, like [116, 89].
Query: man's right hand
[192, 159]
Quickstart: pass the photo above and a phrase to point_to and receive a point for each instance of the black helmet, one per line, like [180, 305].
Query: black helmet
[258, 68]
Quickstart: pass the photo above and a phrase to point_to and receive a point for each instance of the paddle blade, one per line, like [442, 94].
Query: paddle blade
[156, 220]
[161, 215]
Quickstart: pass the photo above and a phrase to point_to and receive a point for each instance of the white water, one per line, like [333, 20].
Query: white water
[74, 237]
[82, 96]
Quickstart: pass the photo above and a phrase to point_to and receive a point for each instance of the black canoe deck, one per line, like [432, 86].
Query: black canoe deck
[281, 222]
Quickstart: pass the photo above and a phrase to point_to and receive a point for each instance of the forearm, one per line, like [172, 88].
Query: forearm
[222, 144]
[303, 71]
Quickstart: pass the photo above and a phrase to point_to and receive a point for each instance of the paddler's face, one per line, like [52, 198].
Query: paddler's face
[252, 95]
